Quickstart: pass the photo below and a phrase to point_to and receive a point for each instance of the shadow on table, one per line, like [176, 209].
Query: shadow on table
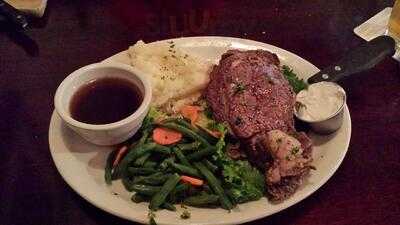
[20, 38]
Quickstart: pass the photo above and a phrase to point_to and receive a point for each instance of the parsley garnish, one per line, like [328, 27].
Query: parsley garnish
[185, 214]
[296, 83]
[295, 150]
[239, 88]
[299, 105]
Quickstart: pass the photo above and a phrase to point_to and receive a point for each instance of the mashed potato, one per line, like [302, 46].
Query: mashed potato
[176, 77]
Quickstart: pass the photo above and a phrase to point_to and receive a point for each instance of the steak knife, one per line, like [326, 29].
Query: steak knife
[13, 15]
[362, 58]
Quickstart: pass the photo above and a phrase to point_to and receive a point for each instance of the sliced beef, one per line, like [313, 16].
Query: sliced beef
[286, 188]
[249, 92]
[287, 154]
[286, 160]
[234, 152]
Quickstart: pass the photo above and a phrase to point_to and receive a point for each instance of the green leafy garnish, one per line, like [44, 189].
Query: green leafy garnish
[246, 182]
[153, 115]
[295, 150]
[242, 181]
[296, 83]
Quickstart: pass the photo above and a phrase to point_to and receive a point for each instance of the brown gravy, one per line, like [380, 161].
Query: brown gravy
[105, 100]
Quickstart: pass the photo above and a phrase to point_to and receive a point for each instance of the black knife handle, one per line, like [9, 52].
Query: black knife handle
[13, 15]
[360, 59]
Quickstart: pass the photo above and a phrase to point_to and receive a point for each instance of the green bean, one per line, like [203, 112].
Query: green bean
[177, 121]
[187, 132]
[193, 190]
[109, 167]
[178, 191]
[181, 188]
[201, 153]
[145, 134]
[215, 185]
[140, 171]
[168, 206]
[159, 197]
[155, 179]
[136, 152]
[186, 124]
[213, 168]
[142, 159]
[161, 149]
[127, 182]
[202, 132]
[137, 198]
[150, 164]
[150, 139]
[185, 169]
[145, 189]
[164, 164]
[189, 146]
[207, 189]
[133, 144]
[181, 157]
[131, 156]
[201, 200]
[169, 170]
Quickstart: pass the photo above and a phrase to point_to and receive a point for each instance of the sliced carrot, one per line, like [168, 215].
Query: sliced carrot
[215, 133]
[120, 154]
[191, 113]
[165, 136]
[193, 181]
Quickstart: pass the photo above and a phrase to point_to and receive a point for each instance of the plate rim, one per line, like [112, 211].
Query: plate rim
[248, 42]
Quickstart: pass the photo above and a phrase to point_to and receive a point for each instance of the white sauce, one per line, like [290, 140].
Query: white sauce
[320, 101]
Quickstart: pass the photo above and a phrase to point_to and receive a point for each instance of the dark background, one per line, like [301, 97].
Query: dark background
[366, 188]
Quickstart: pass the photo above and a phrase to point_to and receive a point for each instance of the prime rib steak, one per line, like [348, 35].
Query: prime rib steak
[249, 92]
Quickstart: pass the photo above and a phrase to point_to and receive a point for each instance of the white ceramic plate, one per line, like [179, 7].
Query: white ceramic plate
[81, 164]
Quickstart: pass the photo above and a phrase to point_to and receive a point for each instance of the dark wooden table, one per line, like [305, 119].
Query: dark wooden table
[366, 188]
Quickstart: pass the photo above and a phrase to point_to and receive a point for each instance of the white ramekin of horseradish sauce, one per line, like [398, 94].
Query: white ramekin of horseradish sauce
[321, 105]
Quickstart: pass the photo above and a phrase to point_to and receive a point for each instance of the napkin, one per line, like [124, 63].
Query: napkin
[377, 26]
[32, 7]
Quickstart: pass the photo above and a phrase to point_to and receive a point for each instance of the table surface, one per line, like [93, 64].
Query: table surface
[365, 189]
